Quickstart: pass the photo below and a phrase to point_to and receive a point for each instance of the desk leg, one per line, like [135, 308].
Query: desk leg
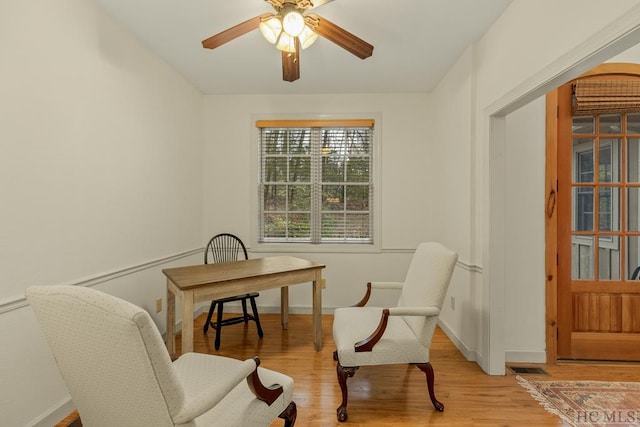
[317, 311]
[171, 322]
[187, 322]
[284, 306]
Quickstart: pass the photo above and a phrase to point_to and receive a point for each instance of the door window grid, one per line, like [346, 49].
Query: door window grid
[616, 188]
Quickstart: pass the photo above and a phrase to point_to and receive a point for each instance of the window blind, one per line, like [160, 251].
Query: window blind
[316, 181]
[596, 96]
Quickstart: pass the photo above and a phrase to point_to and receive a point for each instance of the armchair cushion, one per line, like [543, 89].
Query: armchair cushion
[397, 345]
[196, 372]
[241, 401]
[426, 284]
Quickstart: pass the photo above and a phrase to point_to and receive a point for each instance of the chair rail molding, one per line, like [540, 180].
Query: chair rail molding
[16, 302]
[472, 268]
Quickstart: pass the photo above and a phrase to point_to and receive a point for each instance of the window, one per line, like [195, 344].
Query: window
[315, 181]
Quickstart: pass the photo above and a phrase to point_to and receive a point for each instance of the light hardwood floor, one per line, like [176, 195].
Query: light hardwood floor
[395, 395]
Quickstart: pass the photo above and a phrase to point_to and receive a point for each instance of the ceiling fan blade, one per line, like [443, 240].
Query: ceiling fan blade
[291, 64]
[343, 38]
[233, 32]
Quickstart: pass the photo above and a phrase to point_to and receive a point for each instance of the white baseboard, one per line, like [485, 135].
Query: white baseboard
[525, 356]
[55, 414]
[468, 353]
[293, 310]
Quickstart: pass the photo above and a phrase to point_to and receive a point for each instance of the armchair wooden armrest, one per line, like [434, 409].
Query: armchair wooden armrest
[377, 285]
[210, 397]
[368, 343]
[414, 311]
[267, 394]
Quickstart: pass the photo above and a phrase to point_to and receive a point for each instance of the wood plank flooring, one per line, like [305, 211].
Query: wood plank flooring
[394, 395]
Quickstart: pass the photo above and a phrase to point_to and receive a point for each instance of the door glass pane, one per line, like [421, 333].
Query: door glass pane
[633, 257]
[633, 123]
[609, 160]
[609, 209]
[583, 159]
[610, 124]
[582, 257]
[609, 258]
[582, 207]
[584, 125]
[633, 160]
[633, 209]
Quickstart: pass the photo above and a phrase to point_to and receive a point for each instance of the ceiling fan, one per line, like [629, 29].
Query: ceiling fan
[291, 28]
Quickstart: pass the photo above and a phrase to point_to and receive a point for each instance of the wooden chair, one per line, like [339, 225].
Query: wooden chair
[226, 247]
[113, 361]
[400, 334]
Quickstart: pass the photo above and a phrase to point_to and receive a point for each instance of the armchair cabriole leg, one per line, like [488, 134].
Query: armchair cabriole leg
[343, 374]
[428, 371]
[289, 415]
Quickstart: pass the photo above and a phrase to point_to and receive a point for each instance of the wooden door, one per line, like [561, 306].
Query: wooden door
[598, 242]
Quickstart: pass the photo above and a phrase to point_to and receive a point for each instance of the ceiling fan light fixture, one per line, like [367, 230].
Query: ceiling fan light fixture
[307, 37]
[271, 28]
[292, 21]
[286, 43]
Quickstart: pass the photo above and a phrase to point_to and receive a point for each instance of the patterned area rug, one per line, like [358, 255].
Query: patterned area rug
[588, 403]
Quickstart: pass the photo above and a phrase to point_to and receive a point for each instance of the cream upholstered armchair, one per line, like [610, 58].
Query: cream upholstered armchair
[119, 373]
[401, 334]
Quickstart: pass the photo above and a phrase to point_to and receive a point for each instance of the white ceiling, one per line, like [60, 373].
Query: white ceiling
[415, 43]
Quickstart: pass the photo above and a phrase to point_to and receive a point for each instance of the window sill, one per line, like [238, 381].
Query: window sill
[310, 248]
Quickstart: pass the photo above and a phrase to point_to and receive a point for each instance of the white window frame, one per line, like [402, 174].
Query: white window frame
[300, 247]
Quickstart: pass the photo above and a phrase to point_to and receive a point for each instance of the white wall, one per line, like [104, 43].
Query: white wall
[452, 221]
[100, 176]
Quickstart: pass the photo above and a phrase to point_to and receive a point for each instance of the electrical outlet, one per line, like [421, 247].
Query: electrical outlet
[323, 283]
[158, 305]
[453, 303]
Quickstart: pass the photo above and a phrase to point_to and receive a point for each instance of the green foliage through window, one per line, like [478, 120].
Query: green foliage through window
[316, 184]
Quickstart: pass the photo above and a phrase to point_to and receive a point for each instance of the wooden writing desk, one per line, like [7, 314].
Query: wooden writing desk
[206, 282]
